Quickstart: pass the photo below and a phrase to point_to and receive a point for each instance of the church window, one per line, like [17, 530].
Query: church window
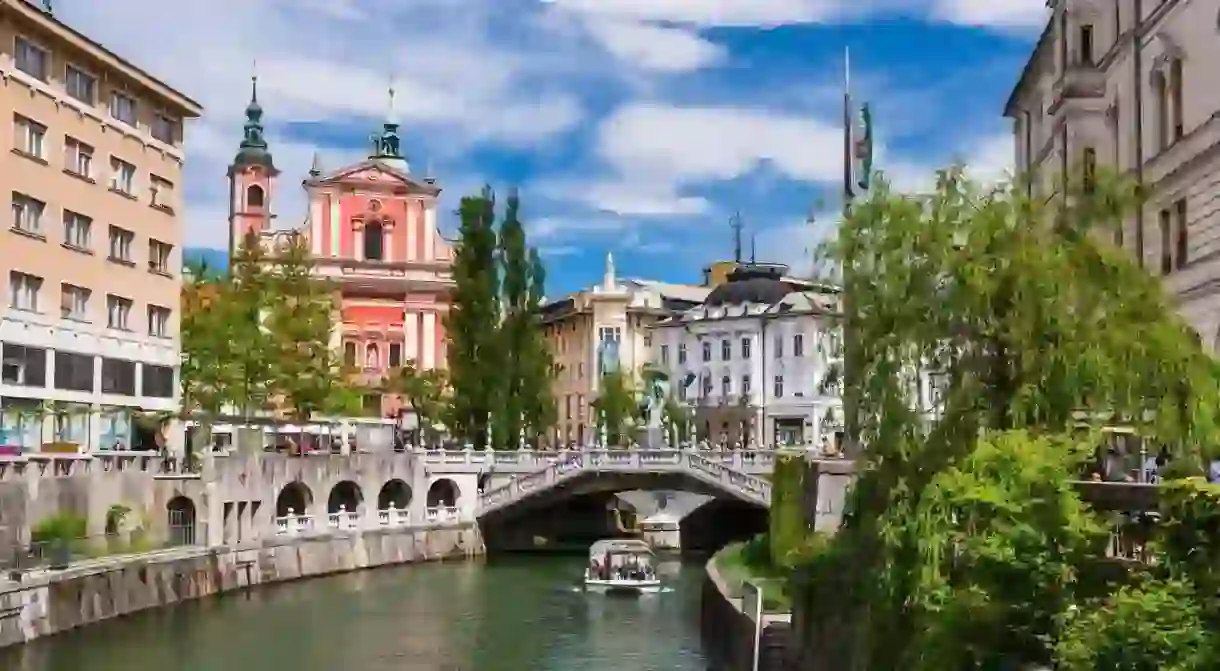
[374, 242]
[255, 196]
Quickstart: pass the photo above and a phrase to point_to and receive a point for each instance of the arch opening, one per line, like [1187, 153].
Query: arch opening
[443, 492]
[255, 196]
[294, 499]
[345, 496]
[180, 513]
[394, 494]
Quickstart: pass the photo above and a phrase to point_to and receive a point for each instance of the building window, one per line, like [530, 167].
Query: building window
[567, 407]
[122, 176]
[664, 355]
[706, 385]
[163, 128]
[726, 349]
[123, 107]
[1182, 256]
[23, 291]
[681, 353]
[1086, 45]
[374, 242]
[157, 381]
[255, 196]
[161, 193]
[779, 346]
[395, 354]
[158, 256]
[1161, 84]
[745, 348]
[73, 372]
[1176, 98]
[349, 354]
[74, 302]
[81, 85]
[1166, 242]
[77, 230]
[33, 59]
[798, 344]
[27, 213]
[121, 241]
[78, 158]
[23, 366]
[158, 321]
[726, 386]
[1090, 170]
[707, 351]
[118, 312]
[29, 137]
[118, 377]
[745, 385]
[779, 386]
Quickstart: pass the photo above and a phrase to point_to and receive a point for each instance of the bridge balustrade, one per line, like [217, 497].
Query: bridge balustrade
[469, 460]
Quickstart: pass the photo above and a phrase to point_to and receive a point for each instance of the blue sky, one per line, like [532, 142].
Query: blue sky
[630, 126]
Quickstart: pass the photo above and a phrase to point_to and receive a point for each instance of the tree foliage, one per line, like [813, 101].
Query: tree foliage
[615, 407]
[1034, 322]
[426, 392]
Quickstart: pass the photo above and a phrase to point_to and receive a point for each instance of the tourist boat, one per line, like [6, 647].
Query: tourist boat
[621, 566]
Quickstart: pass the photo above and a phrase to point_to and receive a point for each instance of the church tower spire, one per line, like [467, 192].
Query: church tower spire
[251, 178]
[387, 146]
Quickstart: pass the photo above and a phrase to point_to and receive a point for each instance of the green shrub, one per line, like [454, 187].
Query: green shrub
[787, 525]
[61, 527]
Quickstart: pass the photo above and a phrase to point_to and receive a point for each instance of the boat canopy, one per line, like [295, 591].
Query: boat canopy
[620, 546]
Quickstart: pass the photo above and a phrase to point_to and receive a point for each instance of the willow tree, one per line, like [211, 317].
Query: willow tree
[1032, 320]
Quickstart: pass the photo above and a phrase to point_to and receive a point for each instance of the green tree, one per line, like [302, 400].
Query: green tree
[515, 328]
[248, 287]
[207, 376]
[1032, 320]
[472, 325]
[540, 370]
[425, 391]
[307, 374]
[615, 407]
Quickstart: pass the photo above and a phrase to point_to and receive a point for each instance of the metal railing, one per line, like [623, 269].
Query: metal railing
[59, 553]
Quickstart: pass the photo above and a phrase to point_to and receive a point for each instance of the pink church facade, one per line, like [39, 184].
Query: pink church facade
[372, 229]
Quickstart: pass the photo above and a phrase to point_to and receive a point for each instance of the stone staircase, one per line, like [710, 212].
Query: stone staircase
[712, 471]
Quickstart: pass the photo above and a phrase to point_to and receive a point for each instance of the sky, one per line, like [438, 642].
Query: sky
[632, 127]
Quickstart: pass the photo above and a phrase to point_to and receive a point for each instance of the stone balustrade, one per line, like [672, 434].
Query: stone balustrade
[293, 524]
[470, 460]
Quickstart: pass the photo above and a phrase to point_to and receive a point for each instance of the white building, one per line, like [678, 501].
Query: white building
[752, 360]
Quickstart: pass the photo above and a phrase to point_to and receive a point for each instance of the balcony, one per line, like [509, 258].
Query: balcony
[1080, 82]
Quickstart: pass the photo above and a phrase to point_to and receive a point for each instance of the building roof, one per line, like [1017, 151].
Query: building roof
[751, 283]
[684, 292]
[1030, 69]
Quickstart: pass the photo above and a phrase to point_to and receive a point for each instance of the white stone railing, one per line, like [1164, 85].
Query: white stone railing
[344, 520]
[442, 514]
[528, 461]
[393, 517]
[293, 524]
[699, 464]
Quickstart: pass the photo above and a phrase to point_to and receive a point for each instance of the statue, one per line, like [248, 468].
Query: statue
[656, 390]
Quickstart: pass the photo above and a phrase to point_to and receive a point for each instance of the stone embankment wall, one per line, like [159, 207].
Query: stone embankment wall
[727, 631]
[95, 591]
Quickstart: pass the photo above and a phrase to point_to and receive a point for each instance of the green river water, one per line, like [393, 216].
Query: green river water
[511, 614]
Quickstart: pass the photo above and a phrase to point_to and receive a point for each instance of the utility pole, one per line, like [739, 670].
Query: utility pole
[737, 226]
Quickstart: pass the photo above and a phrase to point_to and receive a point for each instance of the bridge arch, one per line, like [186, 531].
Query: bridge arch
[443, 492]
[295, 497]
[345, 495]
[719, 522]
[394, 493]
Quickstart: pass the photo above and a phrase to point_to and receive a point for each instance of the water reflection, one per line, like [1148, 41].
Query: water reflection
[508, 615]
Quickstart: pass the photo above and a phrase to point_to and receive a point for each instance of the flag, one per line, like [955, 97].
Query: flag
[864, 148]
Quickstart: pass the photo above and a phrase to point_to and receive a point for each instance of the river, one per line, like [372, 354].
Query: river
[505, 614]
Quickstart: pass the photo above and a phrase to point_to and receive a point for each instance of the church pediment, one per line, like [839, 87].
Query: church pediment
[375, 174]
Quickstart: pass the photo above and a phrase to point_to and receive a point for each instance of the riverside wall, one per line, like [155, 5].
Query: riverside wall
[57, 601]
[727, 630]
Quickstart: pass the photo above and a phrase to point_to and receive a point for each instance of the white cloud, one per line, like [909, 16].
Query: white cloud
[655, 47]
[993, 13]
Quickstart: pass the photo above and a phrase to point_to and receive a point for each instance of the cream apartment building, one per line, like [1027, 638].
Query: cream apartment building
[1134, 84]
[579, 326]
[90, 257]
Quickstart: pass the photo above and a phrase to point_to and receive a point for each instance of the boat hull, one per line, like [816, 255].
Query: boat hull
[623, 586]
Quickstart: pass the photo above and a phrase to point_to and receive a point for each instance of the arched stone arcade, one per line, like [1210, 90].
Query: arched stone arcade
[443, 493]
[394, 494]
[345, 496]
[294, 499]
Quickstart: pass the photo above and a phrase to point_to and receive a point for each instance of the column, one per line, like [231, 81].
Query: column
[410, 324]
[388, 238]
[429, 231]
[315, 227]
[428, 335]
[335, 238]
[412, 208]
